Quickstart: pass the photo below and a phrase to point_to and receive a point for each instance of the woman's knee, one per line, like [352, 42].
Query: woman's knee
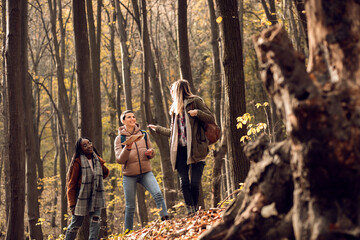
[130, 209]
[158, 196]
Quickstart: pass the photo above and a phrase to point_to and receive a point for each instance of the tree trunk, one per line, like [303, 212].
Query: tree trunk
[15, 76]
[112, 135]
[216, 79]
[114, 67]
[270, 11]
[220, 152]
[84, 78]
[62, 168]
[234, 86]
[300, 7]
[306, 187]
[183, 44]
[5, 117]
[55, 167]
[125, 59]
[161, 141]
[31, 148]
[216, 177]
[95, 41]
[84, 83]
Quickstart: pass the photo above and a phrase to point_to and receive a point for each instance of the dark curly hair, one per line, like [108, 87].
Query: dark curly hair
[77, 153]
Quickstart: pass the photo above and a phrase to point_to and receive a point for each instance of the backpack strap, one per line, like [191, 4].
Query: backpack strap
[123, 139]
[145, 137]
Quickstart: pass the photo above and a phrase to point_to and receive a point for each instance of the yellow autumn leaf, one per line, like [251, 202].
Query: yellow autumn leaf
[249, 132]
[258, 105]
[268, 23]
[243, 138]
[219, 19]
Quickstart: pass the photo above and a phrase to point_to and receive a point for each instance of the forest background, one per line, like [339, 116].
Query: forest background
[118, 49]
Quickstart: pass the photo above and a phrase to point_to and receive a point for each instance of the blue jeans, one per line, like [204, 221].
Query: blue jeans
[190, 190]
[76, 222]
[148, 180]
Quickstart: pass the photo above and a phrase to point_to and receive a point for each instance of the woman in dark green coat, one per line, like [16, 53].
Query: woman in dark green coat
[188, 143]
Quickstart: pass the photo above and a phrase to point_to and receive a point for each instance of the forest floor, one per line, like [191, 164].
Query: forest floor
[187, 227]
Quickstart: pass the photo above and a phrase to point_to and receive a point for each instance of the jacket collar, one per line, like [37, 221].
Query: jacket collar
[122, 130]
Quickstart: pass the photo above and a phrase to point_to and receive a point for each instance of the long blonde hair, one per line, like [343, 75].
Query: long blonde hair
[180, 90]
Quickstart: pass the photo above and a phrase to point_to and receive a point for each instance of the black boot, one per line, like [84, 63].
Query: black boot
[190, 209]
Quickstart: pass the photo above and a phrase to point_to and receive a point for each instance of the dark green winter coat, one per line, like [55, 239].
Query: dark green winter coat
[195, 131]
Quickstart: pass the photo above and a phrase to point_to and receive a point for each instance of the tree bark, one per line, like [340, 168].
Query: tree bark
[84, 78]
[161, 141]
[5, 117]
[64, 150]
[300, 7]
[84, 83]
[125, 59]
[307, 187]
[114, 67]
[234, 86]
[183, 44]
[95, 42]
[59, 56]
[56, 157]
[31, 148]
[216, 78]
[112, 103]
[220, 152]
[15, 76]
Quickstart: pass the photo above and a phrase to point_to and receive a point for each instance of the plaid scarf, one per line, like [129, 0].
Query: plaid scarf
[91, 194]
[182, 130]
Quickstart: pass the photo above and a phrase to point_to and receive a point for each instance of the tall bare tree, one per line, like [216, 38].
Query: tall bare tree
[16, 74]
[149, 71]
[234, 86]
[183, 44]
[84, 78]
[5, 118]
[95, 43]
[32, 153]
[125, 59]
[220, 152]
[58, 51]
[84, 82]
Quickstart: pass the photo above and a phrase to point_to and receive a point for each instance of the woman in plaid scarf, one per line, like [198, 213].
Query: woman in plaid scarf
[85, 188]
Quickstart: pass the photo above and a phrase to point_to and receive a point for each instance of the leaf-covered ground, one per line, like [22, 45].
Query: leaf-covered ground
[188, 227]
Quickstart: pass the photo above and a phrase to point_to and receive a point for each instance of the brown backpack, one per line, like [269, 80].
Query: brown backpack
[212, 132]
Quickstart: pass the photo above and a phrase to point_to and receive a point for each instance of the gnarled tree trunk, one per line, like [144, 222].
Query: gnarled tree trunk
[306, 187]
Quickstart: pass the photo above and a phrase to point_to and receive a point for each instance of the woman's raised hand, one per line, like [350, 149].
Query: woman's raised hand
[152, 126]
[193, 113]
